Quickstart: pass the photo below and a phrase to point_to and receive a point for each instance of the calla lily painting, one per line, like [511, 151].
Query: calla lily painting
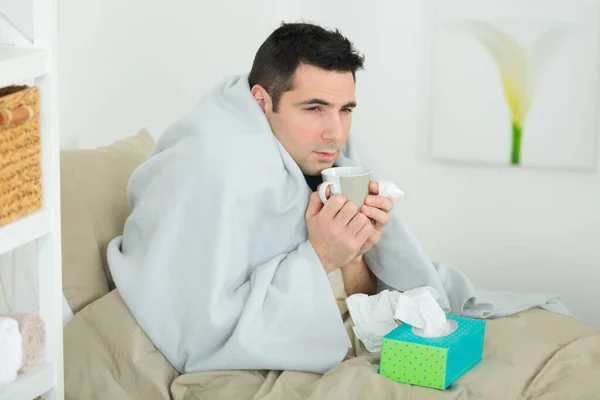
[521, 89]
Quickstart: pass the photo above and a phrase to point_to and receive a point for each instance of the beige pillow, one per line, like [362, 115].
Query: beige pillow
[94, 210]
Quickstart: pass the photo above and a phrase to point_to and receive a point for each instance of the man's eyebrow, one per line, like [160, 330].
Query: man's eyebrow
[322, 102]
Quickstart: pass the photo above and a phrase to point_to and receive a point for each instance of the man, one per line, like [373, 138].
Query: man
[226, 257]
[303, 78]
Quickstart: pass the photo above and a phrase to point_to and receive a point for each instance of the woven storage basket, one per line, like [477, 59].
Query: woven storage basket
[20, 169]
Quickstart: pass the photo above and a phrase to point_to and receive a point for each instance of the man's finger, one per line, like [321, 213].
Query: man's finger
[347, 212]
[364, 233]
[333, 205]
[314, 205]
[383, 203]
[380, 217]
[357, 223]
[373, 187]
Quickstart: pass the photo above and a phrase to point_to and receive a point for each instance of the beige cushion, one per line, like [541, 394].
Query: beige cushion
[94, 209]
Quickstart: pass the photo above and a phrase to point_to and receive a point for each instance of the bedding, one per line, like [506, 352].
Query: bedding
[93, 208]
[534, 354]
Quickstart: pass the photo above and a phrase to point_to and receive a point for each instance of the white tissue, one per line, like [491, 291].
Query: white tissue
[11, 350]
[373, 317]
[420, 309]
[377, 315]
[389, 189]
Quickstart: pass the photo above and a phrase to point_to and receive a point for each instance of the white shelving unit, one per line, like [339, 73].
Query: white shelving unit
[31, 59]
[20, 64]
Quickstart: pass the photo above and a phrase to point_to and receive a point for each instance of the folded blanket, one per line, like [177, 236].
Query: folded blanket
[33, 334]
[214, 261]
[10, 350]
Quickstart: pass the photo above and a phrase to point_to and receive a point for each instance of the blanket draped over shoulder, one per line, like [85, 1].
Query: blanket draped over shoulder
[214, 261]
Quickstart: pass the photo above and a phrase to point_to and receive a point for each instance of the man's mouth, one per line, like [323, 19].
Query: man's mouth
[326, 155]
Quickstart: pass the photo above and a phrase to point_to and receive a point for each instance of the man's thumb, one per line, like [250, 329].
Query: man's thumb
[314, 205]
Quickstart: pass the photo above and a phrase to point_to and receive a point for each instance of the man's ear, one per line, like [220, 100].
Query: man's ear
[262, 98]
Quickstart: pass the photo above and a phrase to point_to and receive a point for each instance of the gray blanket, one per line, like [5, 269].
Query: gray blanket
[214, 261]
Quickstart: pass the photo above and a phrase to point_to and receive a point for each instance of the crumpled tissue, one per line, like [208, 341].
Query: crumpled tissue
[376, 315]
[373, 316]
[389, 189]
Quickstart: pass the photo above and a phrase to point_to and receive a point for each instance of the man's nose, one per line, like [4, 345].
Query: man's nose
[333, 130]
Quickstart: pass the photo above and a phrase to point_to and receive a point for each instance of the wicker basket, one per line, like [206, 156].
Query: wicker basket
[20, 169]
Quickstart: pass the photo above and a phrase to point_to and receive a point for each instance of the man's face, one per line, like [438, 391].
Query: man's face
[314, 118]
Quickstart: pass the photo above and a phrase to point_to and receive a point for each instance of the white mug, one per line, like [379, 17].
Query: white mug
[351, 182]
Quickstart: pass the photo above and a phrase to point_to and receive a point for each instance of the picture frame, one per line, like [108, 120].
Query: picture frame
[514, 83]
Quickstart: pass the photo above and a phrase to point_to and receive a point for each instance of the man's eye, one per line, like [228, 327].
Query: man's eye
[346, 110]
[313, 109]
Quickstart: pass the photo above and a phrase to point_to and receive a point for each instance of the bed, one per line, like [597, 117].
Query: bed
[531, 355]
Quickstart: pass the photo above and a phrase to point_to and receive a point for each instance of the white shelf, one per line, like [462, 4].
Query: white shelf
[29, 386]
[25, 229]
[24, 59]
[18, 64]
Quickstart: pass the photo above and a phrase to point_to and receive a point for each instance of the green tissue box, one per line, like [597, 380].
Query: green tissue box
[432, 362]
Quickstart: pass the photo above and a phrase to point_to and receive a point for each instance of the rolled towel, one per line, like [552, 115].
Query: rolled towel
[11, 350]
[33, 334]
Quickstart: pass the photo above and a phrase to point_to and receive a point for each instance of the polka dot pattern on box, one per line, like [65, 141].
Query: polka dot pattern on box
[412, 363]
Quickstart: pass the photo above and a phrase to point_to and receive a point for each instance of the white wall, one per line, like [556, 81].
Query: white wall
[126, 65]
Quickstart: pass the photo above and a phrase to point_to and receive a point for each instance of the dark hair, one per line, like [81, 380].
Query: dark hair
[289, 45]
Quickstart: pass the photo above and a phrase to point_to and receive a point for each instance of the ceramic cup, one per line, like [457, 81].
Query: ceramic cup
[351, 182]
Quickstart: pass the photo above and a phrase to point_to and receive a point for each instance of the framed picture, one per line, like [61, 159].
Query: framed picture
[515, 83]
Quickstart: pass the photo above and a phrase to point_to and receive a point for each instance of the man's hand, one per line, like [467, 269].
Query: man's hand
[336, 230]
[377, 208]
